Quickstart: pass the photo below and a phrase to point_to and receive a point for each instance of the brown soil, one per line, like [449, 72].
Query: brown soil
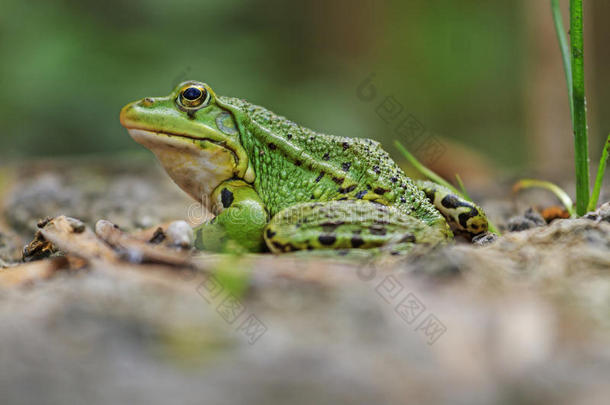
[99, 315]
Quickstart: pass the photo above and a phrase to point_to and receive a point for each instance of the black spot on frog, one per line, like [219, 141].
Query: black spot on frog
[226, 197]
[327, 240]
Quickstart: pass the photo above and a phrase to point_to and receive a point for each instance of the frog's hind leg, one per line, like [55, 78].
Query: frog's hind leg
[464, 214]
[347, 224]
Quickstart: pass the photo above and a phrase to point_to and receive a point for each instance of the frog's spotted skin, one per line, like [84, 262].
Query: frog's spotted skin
[319, 191]
[318, 167]
[347, 224]
[464, 214]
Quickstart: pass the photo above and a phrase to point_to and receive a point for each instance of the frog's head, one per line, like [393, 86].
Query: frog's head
[195, 139]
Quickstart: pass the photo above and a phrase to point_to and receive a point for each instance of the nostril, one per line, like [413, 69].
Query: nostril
[147, 101]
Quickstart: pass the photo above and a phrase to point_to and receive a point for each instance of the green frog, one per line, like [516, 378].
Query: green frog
[275, 185]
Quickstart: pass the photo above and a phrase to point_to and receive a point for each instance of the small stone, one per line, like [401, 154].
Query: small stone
[530, 219]
[520, 223]
[601, 214]
[535, 217]
[180, 233]
[484, 239]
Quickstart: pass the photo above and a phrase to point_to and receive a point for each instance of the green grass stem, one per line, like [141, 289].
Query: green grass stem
[601, 169]
[424, 170]
[462, 187]
[565, 50]
[581, 147]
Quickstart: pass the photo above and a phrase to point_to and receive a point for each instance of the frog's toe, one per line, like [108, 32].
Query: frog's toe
[463, 214]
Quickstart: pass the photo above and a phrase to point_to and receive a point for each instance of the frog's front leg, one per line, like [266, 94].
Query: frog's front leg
[464, 214]
[348, 224]
[239, 223]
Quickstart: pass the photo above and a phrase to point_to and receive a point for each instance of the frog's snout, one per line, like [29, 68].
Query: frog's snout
[131, 112]
[124, 114]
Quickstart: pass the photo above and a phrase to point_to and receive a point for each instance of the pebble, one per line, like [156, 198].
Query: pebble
[180, 233]
[484, 239]
[530, 219]
[601, 214]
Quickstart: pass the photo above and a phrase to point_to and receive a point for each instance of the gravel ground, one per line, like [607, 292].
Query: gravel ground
[523, 319]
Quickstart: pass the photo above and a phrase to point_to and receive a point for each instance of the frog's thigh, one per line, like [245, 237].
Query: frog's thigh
[240, 221]
[344, 225]
[464, 214]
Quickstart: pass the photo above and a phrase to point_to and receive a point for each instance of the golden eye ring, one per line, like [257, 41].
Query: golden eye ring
[194, 97]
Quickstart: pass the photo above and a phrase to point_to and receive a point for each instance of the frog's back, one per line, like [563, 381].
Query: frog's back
[314, 166]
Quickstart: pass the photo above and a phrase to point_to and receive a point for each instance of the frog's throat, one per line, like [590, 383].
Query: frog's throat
[196, 165]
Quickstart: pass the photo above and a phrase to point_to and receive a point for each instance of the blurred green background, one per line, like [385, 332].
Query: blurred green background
[472, 72]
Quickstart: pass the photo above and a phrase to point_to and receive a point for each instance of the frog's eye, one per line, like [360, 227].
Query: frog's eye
[193, 96]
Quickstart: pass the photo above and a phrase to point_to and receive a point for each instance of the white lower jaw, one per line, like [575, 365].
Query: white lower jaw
[196, 170]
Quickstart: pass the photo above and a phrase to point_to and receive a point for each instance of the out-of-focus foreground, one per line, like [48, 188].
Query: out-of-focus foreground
[522, 320]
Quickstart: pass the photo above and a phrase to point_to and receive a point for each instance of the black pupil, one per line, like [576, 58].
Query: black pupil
[192, 93]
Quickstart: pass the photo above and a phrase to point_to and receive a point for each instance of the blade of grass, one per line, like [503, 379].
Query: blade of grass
[424, 170]
[601, 169]
[565, 50]
[462, 188]
[553, 188]
[439, 180]
[581, 147]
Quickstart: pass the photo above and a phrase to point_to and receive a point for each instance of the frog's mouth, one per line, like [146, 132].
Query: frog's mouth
[197, 165]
